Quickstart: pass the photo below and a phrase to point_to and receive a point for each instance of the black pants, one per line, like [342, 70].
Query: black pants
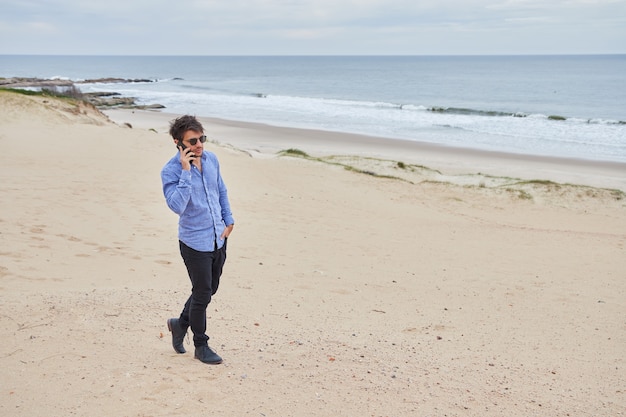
[205, 269]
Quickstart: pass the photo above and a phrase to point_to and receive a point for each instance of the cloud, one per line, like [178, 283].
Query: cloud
[312, 26]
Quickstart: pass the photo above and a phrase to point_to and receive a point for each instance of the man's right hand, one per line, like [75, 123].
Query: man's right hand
[186, 158]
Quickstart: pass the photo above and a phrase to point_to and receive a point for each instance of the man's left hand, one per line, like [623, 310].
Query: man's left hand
[227, 231]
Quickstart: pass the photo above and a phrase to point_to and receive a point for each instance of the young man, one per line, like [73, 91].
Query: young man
[194, 189]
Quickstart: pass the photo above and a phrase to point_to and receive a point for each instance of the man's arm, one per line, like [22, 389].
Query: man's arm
[176, 188]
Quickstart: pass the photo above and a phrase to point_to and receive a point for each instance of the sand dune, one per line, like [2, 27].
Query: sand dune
[411, 292]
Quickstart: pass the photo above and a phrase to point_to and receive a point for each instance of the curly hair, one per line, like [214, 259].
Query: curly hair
[179, 126]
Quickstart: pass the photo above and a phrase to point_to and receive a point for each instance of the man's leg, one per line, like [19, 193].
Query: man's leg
[200, 268]
[218, 265]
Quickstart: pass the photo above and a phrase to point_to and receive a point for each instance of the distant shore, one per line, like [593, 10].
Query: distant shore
[68, 87]
[17, 82]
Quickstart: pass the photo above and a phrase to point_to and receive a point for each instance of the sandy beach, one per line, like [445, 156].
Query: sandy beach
[373, 278]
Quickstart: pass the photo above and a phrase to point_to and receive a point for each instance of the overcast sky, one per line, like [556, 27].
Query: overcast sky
[312, 27]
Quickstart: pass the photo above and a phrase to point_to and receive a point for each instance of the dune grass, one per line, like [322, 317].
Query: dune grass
[419, 174]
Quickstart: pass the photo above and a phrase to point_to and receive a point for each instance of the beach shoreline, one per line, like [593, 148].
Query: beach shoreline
[266, 140]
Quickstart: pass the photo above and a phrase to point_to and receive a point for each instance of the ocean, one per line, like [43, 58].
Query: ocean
[561, 106]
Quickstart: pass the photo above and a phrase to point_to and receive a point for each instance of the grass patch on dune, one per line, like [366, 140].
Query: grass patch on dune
[526, 189]
[583, 190]
[521, 194]
[294, 152]
[372, 173]
[22, 91]
[417, 174]
[618, 194]
[362, 165]
[71, 92]
[333, 160]
[383, 163]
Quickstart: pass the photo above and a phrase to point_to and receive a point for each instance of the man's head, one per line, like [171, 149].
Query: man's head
[187, 132]
[181, 125]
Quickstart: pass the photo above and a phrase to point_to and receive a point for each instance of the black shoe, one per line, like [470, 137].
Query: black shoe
[178, 335]
[205, 354]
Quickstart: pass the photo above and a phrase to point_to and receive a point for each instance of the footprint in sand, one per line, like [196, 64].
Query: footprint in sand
[37, 230]
[69, 237]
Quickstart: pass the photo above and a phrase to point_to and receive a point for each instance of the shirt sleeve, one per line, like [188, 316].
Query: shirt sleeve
[227, 215]
[176, 187]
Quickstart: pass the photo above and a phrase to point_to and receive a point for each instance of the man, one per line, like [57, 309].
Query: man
[194, 189]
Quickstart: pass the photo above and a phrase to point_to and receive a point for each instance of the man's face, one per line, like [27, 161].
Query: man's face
[189, 136]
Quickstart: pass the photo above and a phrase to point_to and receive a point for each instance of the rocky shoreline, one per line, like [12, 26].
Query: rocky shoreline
[99, 99]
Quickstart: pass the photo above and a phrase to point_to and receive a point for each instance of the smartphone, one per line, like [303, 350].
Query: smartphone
[182, 145]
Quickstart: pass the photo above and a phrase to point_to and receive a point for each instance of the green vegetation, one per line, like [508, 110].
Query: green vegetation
[294, 152]
[553, 117]
[330, 160]
[540, 182]
[521, 194]
[372, 173]
[544, 183]
[70, 92]
[583, 190]
[99, 100]
[22, 91]
[522, 189]
[618, 194]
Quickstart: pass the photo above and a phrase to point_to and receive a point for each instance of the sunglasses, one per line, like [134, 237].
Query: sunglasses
[193, 141]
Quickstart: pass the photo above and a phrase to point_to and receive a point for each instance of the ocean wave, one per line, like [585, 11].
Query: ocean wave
[475, 112]
[497, 113]
[435, 109]
[457, 126]
[305, 101]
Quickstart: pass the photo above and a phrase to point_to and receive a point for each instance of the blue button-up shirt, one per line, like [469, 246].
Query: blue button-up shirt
[200, 199]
